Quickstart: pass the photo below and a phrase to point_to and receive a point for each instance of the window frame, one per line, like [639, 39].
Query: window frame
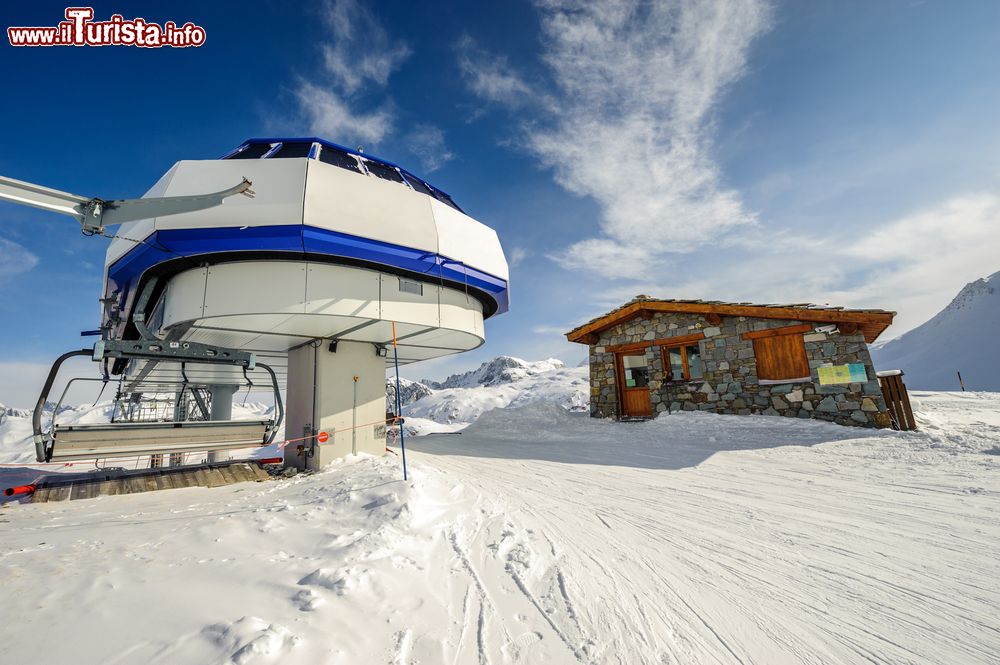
[665, 350]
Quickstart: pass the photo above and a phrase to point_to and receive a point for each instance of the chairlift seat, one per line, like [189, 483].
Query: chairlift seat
[77, 442]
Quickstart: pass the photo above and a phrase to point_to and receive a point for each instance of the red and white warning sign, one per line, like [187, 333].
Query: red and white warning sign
[322, 437]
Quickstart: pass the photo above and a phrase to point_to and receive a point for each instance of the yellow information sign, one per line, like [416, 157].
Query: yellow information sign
[835, 374]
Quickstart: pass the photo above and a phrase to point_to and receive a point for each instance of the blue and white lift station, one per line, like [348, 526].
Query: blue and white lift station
[333, 265]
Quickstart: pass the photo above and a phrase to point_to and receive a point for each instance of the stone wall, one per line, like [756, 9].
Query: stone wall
[730, 383]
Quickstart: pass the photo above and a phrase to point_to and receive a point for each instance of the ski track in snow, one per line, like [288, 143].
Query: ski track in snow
[541, 537]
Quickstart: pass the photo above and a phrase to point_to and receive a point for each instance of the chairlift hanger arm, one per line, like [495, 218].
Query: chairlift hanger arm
[95, 214]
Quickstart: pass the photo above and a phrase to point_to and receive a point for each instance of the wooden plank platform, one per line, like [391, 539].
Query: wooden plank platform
[70, 487]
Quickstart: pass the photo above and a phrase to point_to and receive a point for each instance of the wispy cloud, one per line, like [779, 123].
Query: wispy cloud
[627, 119]
[490, 76]
[15, 259]
[913, 264]
[517, 255]
[427, 143]
[546, 329]
[358, 59]
[922, 259]
[329, 114]
[360, 50]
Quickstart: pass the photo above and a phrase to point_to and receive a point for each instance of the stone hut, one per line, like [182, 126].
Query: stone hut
[652, 356]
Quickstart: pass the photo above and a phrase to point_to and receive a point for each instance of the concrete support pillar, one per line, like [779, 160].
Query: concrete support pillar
[222, 409]
[339, 392]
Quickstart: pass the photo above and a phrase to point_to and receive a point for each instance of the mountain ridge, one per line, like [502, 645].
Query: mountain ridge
[963, 337]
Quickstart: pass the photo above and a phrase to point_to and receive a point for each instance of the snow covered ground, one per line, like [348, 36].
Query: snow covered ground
[539, 535]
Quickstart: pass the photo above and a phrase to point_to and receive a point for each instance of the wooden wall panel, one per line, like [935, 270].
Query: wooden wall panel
[781, 357]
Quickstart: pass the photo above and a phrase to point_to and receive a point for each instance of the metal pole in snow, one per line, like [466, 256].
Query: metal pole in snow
[399, 408]
[960, 382]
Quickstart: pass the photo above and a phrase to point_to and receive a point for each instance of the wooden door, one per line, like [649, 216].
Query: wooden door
[632, 371]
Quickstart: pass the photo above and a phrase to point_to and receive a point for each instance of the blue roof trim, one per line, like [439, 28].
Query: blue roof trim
[296, 240]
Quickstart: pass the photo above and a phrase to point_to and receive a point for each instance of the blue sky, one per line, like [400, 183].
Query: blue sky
[833, 152]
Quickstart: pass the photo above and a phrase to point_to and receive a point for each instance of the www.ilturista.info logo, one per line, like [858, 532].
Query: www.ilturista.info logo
[80, 29]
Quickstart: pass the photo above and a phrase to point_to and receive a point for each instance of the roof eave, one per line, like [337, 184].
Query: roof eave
[877, 320]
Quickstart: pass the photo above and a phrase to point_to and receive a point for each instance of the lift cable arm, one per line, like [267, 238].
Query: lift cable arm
[95, 214]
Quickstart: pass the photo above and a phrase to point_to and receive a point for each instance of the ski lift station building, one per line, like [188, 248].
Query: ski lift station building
[337, 255]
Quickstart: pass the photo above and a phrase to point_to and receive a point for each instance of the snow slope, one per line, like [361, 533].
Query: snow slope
[543, 536]
[963, 337]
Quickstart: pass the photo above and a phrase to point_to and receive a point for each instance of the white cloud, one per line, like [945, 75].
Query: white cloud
[360, 49]
[913, 264]
[517, 255]
[427, 143]
[490, 76]
[919, 262]
[358, 61]
[332, 116]
[358, 58]
[628, 119]
[550, 329]
[15, 259]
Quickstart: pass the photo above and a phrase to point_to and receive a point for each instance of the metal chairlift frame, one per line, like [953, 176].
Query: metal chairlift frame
[152, 438]
[131, 438]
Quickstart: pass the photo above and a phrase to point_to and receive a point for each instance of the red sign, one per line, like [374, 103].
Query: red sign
[322, 437]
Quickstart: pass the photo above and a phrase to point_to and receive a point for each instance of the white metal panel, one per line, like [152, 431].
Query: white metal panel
[278, 185]
[255, 287]
[366, 206]
[461, 312]
[381, 332]
[234, 340]
[343, 291]
[464, 239]
[184, 298]
[444, 338]
[408, 307]
[316, 325]
[262, 304]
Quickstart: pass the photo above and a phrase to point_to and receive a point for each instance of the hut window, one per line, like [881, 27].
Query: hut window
[781, 357]
[636, 371]
[682, 363]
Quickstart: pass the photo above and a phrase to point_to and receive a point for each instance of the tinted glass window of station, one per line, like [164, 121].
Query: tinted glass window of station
[383, 171]
[336, 157]
[417, 184]
[292, 150]
[252, 151]
[444, 198]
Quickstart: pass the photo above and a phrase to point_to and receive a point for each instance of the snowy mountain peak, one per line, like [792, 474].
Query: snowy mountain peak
[409, 392]
[972, 292]
[960, 338]
[502, 369]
